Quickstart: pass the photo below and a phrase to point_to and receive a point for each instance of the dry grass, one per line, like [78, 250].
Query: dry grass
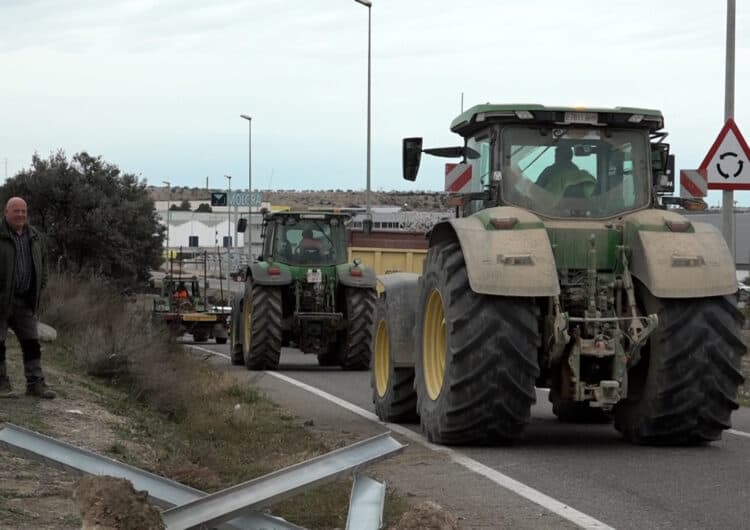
[185, 420]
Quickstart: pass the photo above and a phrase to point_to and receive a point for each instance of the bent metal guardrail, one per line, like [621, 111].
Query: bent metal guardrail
[233, 507]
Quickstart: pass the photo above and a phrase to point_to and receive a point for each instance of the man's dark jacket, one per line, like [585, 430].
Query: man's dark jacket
[8, 268]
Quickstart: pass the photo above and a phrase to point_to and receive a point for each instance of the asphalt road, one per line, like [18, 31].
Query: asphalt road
[588, 468]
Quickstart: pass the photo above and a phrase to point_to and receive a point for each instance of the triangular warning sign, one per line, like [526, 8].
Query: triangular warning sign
[727, 164]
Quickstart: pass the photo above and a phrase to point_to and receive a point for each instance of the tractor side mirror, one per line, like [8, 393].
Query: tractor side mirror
[411, 156]
[242, 225]
[662, 165]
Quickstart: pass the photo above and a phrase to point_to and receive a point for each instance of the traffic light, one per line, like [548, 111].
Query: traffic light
[219, 198]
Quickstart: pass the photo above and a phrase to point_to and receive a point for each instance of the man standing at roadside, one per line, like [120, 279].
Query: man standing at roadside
[23, 275]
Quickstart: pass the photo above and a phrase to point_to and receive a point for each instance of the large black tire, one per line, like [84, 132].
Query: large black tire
[235, 335]
[221, 340]
[355, 345]
[392, 388]
[476, 358]
[261, 327]
[684, 389]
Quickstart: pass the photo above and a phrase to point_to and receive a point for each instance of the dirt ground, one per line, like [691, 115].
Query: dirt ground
[37, 496]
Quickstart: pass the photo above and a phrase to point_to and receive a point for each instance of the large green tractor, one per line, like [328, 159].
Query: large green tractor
[566, 267]
[303, 292]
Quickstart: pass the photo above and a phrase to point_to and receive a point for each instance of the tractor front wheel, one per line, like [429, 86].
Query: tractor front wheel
[392, 388]
[476, 358]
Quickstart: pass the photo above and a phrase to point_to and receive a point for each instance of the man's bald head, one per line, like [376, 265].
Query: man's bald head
[16, 213]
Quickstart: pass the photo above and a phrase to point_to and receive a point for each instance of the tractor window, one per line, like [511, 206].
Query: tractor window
[575, 172]
[310, 241]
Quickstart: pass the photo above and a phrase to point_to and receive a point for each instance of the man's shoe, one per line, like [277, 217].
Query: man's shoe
[40, 390]
[6, 391]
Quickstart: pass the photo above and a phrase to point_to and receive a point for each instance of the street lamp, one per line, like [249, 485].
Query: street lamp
[368, 5]
[249, 184]
[169, 195]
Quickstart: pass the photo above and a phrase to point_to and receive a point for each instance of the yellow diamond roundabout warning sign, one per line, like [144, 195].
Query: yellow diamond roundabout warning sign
[727, 164]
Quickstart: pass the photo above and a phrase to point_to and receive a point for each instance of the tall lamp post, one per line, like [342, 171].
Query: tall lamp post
[249, 184]
[368, 5]
[169, 196]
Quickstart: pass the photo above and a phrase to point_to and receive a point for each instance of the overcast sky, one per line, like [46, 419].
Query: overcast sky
[157, 87]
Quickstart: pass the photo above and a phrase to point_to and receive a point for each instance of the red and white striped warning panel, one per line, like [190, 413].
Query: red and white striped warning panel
[693, 183]
[457, 178]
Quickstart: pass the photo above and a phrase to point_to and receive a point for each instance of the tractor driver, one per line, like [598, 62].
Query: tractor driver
[563, 178]
[309, 242]
[181, 293]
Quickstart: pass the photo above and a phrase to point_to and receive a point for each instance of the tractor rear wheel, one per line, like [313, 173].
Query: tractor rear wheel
[354, 345]
[392, 388]
[684, 389]
[261, 327]
[476, 358]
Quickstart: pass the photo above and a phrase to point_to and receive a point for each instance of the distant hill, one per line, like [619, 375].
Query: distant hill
[409, 200]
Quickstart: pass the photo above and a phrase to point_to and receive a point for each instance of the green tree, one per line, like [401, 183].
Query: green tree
[97, 219]
[204, 207]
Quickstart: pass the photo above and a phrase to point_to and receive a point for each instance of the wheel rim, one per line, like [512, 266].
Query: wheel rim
[382, 363]
[247, 332]
[433, 345]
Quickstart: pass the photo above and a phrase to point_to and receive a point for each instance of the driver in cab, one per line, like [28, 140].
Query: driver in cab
[309, 242]
[561, 179]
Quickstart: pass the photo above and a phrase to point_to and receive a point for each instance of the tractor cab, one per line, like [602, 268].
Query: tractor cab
[301, 239]
[180, 293]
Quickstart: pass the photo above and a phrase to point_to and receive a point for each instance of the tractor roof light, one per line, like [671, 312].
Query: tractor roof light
[635, 118]
[524, 115]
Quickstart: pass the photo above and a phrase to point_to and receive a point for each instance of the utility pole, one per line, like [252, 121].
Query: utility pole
[727, 196]
[249, 228]
[169, 196]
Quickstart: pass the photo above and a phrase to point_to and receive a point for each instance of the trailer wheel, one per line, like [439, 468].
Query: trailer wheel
[476, 358]
[354, 345]
[392, 388]
[684, 389]
[261, 327]
[221, 340]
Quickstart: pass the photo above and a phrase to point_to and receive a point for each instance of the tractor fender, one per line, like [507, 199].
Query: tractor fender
[513, 260]
[398, 306]
[692, 263]
[259, 274]
[366, 280]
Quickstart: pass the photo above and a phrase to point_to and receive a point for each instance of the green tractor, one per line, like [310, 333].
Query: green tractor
[303, 292]
[567, 267]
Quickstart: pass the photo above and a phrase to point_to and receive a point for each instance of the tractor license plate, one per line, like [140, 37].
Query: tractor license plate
[314, 276]
[582, 117]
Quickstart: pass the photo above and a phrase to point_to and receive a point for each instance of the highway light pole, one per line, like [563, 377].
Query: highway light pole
[169, 196]
[368, 5]
[249, 228]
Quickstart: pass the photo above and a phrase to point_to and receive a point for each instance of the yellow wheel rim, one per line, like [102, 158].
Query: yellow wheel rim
[433, 345]
[247, 330]
[382, 364]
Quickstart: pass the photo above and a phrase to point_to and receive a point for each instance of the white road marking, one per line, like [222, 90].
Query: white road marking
[519, 488]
